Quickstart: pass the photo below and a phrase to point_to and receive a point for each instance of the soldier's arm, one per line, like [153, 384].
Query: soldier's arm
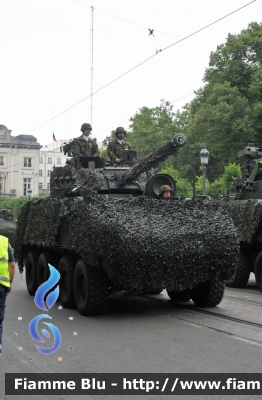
[110, 151]
[96, 151]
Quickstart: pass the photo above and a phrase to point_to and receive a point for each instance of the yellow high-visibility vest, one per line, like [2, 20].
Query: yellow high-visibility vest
[4, 272]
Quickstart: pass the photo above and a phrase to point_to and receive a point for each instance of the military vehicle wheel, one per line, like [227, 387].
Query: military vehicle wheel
[91, 289]
[8, 217]
[43, 271]
[179, 140]
[258, 271]
[31, 272]
[179, 296]
[66, 268]
[208, 294]
[242, 272]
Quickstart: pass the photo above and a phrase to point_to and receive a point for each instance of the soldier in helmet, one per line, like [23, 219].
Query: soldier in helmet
[88, 146]
[114, 147]
[165, 191]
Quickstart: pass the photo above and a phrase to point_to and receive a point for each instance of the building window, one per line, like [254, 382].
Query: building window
[2, 160]
[27, 162]
[48, 185]
[59, 161]
[40, 185]
[27, 185]
[40, 160]
[49, 172]
[49, 160]
[40, 172]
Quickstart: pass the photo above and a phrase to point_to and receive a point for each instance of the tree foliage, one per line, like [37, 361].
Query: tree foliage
[153, 127]
[226, 113]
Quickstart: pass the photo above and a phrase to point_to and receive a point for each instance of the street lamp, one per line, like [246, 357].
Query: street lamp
[29, 192]
[204, 156]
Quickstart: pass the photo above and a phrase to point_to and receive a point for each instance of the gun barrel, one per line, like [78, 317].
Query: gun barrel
[154, 158]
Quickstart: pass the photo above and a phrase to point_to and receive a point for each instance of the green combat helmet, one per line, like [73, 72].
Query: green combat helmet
[85, 126]
[120, 129]
[164, 188]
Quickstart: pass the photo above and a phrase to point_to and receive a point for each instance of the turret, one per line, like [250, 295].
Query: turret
[84, 172]
[250, 185]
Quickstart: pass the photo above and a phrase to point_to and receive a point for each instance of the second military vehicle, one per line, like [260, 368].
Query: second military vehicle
[8, 225]
[106, 229]
[246, 211]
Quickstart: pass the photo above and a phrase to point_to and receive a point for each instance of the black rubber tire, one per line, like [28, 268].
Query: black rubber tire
[66, 268]
[179, 296]
[91, 289]
[43, 271]
[208, 294]
[31, 271]
[241, 275]
[258, 271]
[8, 217]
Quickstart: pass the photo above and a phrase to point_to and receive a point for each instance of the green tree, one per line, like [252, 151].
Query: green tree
[226, 113]
[153, 127]
[225, 181]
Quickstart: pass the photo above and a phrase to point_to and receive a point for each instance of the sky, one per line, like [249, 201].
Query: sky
[47, 73]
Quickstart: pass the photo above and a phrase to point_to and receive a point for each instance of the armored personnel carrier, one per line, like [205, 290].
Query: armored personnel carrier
[245, 208]
[106, 229]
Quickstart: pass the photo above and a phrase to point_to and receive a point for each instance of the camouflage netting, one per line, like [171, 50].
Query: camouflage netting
[87, 178]
[247, 216]
[8, 229]
[143, 241]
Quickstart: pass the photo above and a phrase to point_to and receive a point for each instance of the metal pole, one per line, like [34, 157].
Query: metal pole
[194, 182]
[204, 180]
[91, 61]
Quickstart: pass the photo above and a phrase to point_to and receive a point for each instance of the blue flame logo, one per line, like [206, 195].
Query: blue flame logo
[40, 300]
[45, 287]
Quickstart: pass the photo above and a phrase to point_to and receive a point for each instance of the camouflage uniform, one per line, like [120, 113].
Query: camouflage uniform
[113, 149]
[88, 148]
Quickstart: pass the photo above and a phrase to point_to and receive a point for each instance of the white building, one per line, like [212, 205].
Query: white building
[19, 158]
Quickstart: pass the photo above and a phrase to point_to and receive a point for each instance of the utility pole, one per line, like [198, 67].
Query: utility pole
[91, 61]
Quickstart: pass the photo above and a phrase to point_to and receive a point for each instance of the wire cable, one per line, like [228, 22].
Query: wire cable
[141, 63]
[125, 20]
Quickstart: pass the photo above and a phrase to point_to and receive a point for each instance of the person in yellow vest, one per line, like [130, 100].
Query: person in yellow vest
[7, 271]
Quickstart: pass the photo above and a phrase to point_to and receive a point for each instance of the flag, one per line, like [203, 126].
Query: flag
[54, 139]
